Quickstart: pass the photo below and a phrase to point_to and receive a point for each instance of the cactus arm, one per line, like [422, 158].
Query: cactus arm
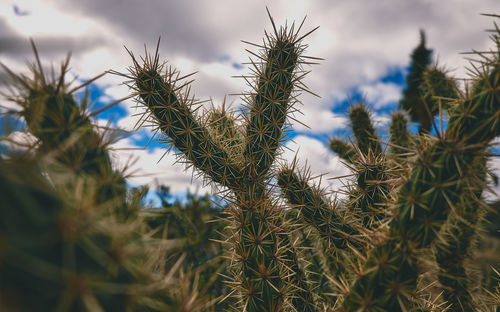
[452, 249]
[412, 102]
[172, 114]
[315, 211]
[399, 135]
[343, 150]
[363, 130]
[301, 298]
[64, 130]
[371, 191]
[438, 89]
[271, 102]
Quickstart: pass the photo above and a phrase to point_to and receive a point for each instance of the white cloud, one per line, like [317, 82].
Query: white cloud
[318, 121]
[312, 154]
[147, 166]
[381, 94]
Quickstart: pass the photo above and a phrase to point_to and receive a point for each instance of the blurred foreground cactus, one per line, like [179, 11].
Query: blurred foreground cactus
[72, 238]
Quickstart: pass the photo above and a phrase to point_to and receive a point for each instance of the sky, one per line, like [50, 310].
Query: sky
[365, 45]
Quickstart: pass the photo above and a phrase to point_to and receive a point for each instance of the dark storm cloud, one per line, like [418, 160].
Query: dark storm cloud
[181, 25]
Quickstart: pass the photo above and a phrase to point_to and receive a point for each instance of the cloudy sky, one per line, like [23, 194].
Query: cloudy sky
[365, 44]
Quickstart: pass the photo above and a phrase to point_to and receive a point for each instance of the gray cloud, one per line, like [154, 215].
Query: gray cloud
[17, 47]
[183, 25]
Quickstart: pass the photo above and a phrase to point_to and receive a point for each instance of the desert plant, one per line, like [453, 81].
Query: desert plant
[72, 239]
[373, 244]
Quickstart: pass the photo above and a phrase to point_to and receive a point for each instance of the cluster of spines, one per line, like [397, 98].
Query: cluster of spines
[316, 211]
[64, 130]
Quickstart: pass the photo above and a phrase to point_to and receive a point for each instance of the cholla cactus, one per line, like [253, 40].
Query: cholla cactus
[262, 252]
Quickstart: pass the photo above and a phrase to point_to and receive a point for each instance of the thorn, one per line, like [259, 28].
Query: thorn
[86, 83]
[37, 57]
[97, 112]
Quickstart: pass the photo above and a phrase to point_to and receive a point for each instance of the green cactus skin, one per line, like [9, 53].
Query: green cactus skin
[65, 254]
[175, 119]
[343, 150]
[451, 251]
[302, 298]
[438, 89]
[423, 203]
[315, 211]
[370, 194]
[399, 135]
[363, 130]
[412, 102]
[270, 104]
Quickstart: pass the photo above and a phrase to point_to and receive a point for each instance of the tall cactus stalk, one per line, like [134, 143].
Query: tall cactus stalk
[261, 247]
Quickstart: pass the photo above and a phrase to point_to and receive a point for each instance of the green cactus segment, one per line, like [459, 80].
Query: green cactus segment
[477, 119]
[343, 150]
[438, 89]
[412, 102]
[223, 127]
[301, 294]
[364, 131]
[60, 125]
[56, 119]
[390, 274]
[453, 248]
[316, 211]
[371, 192]
[258, 251]
[423, 202]
[174, 118]
[65, 132]
[399, 135]
[271, 103]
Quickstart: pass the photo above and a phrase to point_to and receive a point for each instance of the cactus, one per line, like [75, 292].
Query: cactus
[412, 100]
[70, 227]
[400, 137]
[401, 202]
[72, 239]
[260, 242]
